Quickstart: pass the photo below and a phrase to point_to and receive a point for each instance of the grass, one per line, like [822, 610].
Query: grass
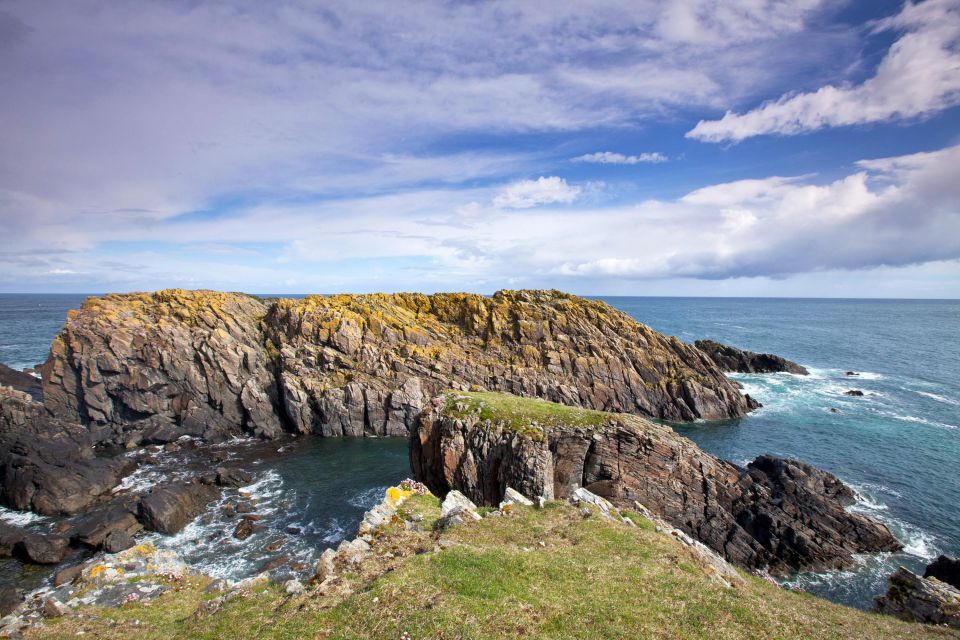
[541, 574]
[525, 415]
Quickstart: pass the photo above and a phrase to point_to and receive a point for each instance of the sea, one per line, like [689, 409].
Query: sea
[898, 445]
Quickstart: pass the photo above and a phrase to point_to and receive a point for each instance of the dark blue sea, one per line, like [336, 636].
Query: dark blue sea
[898, 446]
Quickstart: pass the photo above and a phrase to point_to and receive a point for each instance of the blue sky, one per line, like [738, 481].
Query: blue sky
[750, 147]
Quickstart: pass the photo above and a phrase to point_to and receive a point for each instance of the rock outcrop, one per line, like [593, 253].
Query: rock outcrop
[917, 599]
[775, 513]
[48, 465]
[21, 382]
[945, 569]
[739, 361]
[152, 367]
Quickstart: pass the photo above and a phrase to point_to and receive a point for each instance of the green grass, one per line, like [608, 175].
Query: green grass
[525, 415]
[544, 574]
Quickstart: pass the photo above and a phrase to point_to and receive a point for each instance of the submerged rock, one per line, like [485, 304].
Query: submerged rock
[917, 599]
[739, 361]
[853, 392]
[775, 512]
[153, 367]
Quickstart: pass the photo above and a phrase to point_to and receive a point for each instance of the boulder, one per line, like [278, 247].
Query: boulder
[456, 501]
[775, 512]
[94, 527]
[117, 541]
[917, 599]
[854, 392]
[244, 529]
[168, 508]
[10, 599]
[274, 563]
[945, 569]
[739, 361]
[42, 549]
[512, 496]
[233, 477]
[67, 576]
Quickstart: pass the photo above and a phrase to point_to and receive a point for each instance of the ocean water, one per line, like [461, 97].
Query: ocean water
[898, 445]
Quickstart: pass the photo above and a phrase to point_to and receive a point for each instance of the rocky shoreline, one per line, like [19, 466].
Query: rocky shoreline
[167, 370]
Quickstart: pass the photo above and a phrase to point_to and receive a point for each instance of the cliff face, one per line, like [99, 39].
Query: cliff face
[153, 367]
[156, 366]
[778, 513]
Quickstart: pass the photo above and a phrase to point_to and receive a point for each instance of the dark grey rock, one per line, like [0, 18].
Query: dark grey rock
[21, 382]
[10, 599]
[853, 392]
[168, 508]
[737, 360]
[117, 541]
[48, 465]
[945, 569]
[233, 477]
[917, 599]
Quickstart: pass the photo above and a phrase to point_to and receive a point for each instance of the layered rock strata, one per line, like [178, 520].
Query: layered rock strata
[775, 513]
[739, 361]
[143, 368]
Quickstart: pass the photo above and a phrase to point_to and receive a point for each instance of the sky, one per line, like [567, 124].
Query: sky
[607, 147]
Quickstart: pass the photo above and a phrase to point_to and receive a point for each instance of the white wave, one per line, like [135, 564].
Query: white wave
[368, 499]
[939, 398]
[919, 420]
[868, 503]
[916, 541]
[334, 532]
[20, 518]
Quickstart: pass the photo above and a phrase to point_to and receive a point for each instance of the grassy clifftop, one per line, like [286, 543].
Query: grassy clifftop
[549, 573]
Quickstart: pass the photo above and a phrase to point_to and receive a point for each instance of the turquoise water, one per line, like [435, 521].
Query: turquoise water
[898, 445]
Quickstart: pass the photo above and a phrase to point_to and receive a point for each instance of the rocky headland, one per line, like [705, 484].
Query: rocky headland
[135, 373]
[778, 514]
[153, 367]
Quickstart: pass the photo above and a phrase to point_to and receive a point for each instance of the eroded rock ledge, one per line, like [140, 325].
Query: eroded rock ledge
[143, 368]
[775, 513]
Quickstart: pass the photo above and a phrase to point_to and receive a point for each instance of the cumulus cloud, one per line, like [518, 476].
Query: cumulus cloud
[611, 157]
[919, 76]
[531, 193]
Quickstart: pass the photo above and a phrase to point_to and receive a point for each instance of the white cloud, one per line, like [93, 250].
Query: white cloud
[531, 193]
[919, 76]
[611, 157]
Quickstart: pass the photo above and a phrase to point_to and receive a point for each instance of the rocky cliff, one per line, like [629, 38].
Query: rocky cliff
[152, 367]
[774, 513]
